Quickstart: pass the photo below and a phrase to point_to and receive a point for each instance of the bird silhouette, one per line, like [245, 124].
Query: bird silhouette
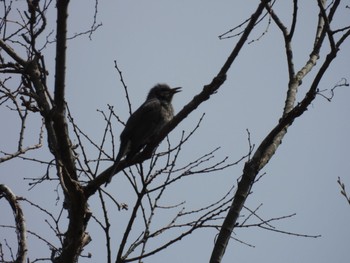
[146, 122]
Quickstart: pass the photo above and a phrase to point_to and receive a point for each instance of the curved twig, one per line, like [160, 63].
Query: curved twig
[20, 222]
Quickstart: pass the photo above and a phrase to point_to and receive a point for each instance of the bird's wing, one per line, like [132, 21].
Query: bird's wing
[142, 124]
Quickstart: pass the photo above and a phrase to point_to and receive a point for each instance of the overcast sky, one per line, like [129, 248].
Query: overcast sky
[176, 42]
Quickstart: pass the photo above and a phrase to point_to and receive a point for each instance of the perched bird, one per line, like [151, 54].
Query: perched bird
[146, 122]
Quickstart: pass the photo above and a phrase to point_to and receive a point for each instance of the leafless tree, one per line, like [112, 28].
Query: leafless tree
[25, 90]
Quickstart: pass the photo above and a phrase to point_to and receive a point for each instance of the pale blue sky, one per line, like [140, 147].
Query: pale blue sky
[176, 42]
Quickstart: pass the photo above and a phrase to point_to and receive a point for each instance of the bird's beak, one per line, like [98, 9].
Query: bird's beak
[176, 90]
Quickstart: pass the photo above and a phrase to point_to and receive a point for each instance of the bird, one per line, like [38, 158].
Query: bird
[146, 122]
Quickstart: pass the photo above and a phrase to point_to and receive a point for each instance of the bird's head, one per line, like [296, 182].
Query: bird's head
[163, 92]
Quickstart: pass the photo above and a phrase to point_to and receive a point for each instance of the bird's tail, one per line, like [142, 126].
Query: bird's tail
[121, 154]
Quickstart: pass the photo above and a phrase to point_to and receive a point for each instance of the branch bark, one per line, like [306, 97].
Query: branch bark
[75, 201]
[20, 222]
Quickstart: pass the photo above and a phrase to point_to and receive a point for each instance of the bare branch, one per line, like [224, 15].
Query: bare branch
[342, 83]
[342, 190]
[22, 150]
[207, 91]
[265, 224]
[124, 86]
[20, 222]
[12, 53]
[270, 144]
[287, 37]
[227, 35]
[75, 237]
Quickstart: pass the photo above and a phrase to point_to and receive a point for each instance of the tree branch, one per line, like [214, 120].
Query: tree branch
[75, 237]
[20, 222]
[271, 142]
[207, 91]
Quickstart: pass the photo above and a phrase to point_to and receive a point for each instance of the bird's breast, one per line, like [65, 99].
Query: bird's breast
[167, 112]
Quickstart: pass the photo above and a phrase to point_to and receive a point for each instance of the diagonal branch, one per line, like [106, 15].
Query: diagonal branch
[271, 142]
[12, 53]
[204, 95]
